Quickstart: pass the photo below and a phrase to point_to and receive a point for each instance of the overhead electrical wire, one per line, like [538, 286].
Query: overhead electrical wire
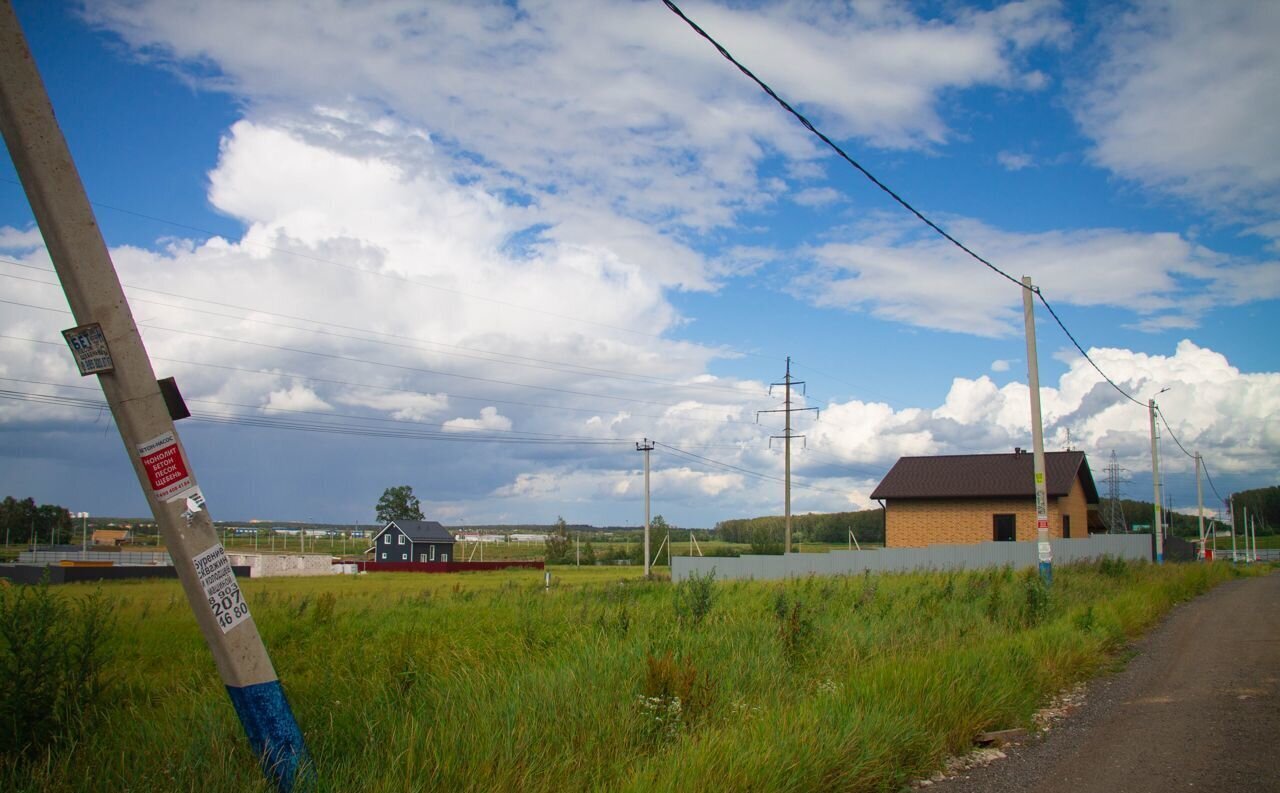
[1164, 421]
[884, 187]
[803, 120]
[498, 357]
[332, 415]
[596, 410]
[331, 428]
[740, 469]
[384, 364]
[371, 272]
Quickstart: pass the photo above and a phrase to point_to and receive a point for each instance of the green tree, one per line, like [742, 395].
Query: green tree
[398, 503]
[658, 530]
[558, 545]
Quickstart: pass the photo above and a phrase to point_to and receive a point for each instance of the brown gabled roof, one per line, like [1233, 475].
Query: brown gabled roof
[985, 476]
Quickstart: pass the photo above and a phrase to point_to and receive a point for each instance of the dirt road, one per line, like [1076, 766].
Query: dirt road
[1197, 709]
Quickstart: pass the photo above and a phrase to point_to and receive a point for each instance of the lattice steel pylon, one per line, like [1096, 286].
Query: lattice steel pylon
[1113, 513]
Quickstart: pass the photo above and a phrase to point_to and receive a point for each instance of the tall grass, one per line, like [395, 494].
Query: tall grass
[483, 682]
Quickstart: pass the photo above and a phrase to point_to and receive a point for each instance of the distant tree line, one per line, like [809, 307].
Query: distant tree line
[20, 519]
[1263, 504]
[765, 534]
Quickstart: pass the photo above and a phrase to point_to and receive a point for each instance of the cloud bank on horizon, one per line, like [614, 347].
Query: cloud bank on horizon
[515, 222]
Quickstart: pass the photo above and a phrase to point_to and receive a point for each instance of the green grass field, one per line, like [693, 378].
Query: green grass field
[489, 682]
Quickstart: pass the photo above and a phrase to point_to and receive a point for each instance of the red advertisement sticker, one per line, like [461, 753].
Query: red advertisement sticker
[166, 469]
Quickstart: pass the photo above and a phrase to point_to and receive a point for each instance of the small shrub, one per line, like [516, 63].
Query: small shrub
[53, 660]
[694, 597]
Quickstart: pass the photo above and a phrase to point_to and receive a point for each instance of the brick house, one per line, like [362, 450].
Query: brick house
[971, 498]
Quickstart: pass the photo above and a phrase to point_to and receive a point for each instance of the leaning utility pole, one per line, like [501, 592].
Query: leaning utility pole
[106, 343]
[786, 435]
[1043, 548]
[646, 447]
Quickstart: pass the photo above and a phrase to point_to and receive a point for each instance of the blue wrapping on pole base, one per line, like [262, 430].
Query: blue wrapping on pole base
[274, 734]
[1046, 572]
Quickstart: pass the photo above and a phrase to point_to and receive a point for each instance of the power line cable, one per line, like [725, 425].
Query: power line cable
[881, 185]
[332, 415]
[500, 357]
[740, 469]
[1205, 467]
[316, 427]
[352, 359]
[1164, 421]
[275, 373]
[367, 271]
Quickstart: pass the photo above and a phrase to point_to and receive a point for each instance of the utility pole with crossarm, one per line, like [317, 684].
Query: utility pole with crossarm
[786, 436]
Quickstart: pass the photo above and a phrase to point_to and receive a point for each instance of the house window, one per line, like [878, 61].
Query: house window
[444, 557]
[1066, 527]
[402, 539]
[384, 556]
[422, 557]
[404, 557]
[432, 549]
[386, 539]
[1004, 528]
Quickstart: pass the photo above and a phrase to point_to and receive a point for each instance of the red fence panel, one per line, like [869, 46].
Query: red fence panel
[443, 567]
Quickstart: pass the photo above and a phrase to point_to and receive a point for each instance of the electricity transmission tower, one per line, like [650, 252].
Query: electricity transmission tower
[786, 435]
[1114, 513]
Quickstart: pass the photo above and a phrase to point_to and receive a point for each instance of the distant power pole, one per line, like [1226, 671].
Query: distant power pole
[1155, 480]
[786, 435]
[1200, 505]
[107, 344]
[646, 447]
[1043, 549]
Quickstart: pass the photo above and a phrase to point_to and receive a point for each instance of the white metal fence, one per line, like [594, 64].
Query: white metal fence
[1134, 547]
[119, 557]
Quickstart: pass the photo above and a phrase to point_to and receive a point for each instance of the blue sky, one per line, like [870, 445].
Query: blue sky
[530, 234]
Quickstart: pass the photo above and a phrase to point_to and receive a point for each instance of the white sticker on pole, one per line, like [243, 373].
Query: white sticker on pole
[213, 570]
[1046, 552]
[166, 469]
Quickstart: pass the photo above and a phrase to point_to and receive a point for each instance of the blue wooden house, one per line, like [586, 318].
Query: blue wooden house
[413, 541]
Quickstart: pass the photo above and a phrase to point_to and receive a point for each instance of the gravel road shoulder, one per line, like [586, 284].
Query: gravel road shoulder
[1197, 708]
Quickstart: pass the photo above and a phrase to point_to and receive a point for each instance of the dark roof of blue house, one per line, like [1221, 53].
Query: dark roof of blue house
[421, 530]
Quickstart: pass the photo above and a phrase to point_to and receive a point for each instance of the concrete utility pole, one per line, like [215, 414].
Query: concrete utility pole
[646, 447]
[1155, 479]
[1234, 523]
[1200, 504]
[1043, 549]
[107, 343]
[786, 435]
